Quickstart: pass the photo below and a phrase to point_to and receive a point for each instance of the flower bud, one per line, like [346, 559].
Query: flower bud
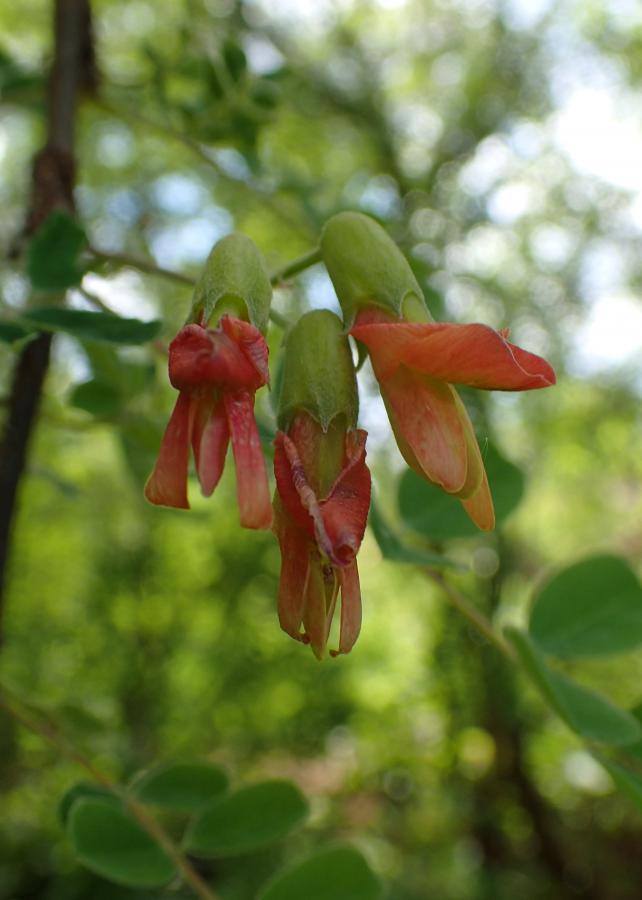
[369, 270]
[233, 282]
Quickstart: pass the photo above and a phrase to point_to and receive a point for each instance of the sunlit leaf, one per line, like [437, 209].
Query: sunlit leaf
[589, 609]
[52, 257]
[586, 712]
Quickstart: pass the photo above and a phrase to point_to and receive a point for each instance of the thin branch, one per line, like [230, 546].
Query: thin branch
[476, 618]
[142, 265]
[50, 733]
[296, 266]
[198, 150]
[151, 268]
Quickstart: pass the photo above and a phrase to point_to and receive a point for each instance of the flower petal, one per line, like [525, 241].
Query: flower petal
[480, 507]
[350, 609]
[292, 485]
[295, 568]
[345, 510]
[251, 342]
[474, 355]
[320, 601]
[204, 356]
[255, 509]
[167, 485]
[425, 413]
[210, 438]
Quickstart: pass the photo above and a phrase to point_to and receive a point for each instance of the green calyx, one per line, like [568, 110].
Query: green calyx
[367, 268]
[234, 281]
[318, 372]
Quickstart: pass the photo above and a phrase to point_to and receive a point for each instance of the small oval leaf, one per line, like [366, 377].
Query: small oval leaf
[338, 873]
[591, 608]
[83, 789]
[247, 820]
[52, 256]
[110, 843]
[585, 712]
[183, 787]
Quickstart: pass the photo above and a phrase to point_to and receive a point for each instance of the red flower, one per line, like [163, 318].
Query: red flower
[321, 508]
[217, 372]
[416, 365]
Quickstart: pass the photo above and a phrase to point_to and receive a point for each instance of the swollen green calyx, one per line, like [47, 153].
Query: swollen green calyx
[368, 269]
[318, 372]
[233, 281]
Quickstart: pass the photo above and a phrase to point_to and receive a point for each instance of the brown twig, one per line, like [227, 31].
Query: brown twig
[52, 188]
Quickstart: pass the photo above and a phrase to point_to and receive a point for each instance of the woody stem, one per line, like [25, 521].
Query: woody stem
[48, 731]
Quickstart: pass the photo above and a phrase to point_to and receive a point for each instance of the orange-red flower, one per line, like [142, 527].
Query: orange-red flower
[321, 508]
[217, 372]
[416, 364]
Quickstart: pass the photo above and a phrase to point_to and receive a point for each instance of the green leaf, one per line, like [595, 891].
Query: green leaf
[97, 326]
[109, 367]
[107, 841]
[393, 548]
[140, 439]
[184, 787]
[339, 873]
[247, 820]
[96, 398]
[589, 609]
[11, 332]
[52, 257]
[630, 783]
[585, 712]
[439, 516]
[84, 789]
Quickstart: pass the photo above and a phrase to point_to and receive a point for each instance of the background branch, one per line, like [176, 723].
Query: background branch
[52, 188]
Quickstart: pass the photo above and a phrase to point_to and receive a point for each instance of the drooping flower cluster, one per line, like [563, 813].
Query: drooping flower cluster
[219, 360]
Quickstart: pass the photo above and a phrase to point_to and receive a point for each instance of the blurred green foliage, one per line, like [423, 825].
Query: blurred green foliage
[152, 634]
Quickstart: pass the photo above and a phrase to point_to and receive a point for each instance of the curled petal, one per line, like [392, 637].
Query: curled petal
[350, 609]
[474, 355]
[203, 356]
[251, 342]
[320, 602]
[345, 510]
[167, 485]
[425, 413]
[295, 568]
[337, 523]
[480, 507]
[255, 508]
[210, 437]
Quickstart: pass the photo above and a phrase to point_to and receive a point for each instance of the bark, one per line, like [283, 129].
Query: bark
[73, 71]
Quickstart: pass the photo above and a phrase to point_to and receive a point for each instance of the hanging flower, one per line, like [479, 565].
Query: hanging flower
[217, 362]
[416, 365]
[323, 485]
[217, 372]
[416, 360]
